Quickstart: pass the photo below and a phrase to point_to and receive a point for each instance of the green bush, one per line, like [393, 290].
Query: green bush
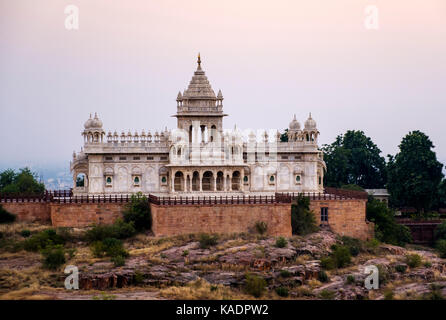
[354, 245]
[328, 263]
[327, 294]
[441, 247]
[440, 231]
[138, 278]
[388, 294]
[372, 245]
[185, 253]
[118, 230]
[401, 268]
[350, 279]
[5, 216]
[383, 274]
[138, 212]
[386, 228]
[285, 274]
[281, 242]
[341, 256]
[413, 260]
[282, 291]
[434, 294]
[25, 233]
[207, 240]
[323, 276]
[54, 257]
[302, 219]
[261, 227]
[110, 247]
[118, 261]
[42, 240]
[255, 285]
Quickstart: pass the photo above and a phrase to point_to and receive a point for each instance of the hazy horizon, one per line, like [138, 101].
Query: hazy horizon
[270, 59]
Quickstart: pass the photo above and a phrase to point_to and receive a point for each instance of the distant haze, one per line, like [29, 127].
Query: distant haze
[271, 59]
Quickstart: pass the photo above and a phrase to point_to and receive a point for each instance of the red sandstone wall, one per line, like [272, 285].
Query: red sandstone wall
[345, 217]
[29, 211]
[82, 215]
[182, 219]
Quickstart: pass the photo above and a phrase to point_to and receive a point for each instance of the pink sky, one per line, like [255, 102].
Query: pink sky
[271, 59]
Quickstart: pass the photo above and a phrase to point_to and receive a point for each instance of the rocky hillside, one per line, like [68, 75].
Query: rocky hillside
[239, 266]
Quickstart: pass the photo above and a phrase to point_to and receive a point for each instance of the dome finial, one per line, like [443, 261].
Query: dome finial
[199, 61]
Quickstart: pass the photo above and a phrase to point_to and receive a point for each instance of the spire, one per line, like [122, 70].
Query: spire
[199, 87]
[199, 62]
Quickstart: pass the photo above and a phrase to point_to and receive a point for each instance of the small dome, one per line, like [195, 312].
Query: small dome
[89, 123]
[310, 123]
[93, 123]
[294, 125]
[97, 123]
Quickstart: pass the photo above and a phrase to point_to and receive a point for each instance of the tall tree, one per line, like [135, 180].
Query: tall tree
[353, 158]
[414, 173]
[24, 181]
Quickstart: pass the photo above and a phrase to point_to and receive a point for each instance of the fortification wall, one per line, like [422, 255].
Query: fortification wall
[80, 215]
[226, 218]
[29, 211]
[345, 217]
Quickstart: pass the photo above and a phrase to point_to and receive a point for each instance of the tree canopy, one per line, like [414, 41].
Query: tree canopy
[414, 173]
[23, 181]
[353, 159]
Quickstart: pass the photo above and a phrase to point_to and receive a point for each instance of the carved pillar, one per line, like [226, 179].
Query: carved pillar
[201, 180]
[215, 180]
[172, 184]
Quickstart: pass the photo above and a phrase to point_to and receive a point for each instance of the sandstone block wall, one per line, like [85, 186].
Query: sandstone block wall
[80, 215]
[184, 219]
[345, 217]
[29, 211]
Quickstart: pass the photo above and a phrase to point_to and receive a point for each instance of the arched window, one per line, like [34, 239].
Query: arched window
[108, 180]
[297, 179]
[271, 179]
[80, 180]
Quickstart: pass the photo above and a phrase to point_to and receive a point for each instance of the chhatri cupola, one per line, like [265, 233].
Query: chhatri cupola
[198, 106]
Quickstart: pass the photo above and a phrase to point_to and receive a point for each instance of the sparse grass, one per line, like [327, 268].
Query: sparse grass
[201, 290]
